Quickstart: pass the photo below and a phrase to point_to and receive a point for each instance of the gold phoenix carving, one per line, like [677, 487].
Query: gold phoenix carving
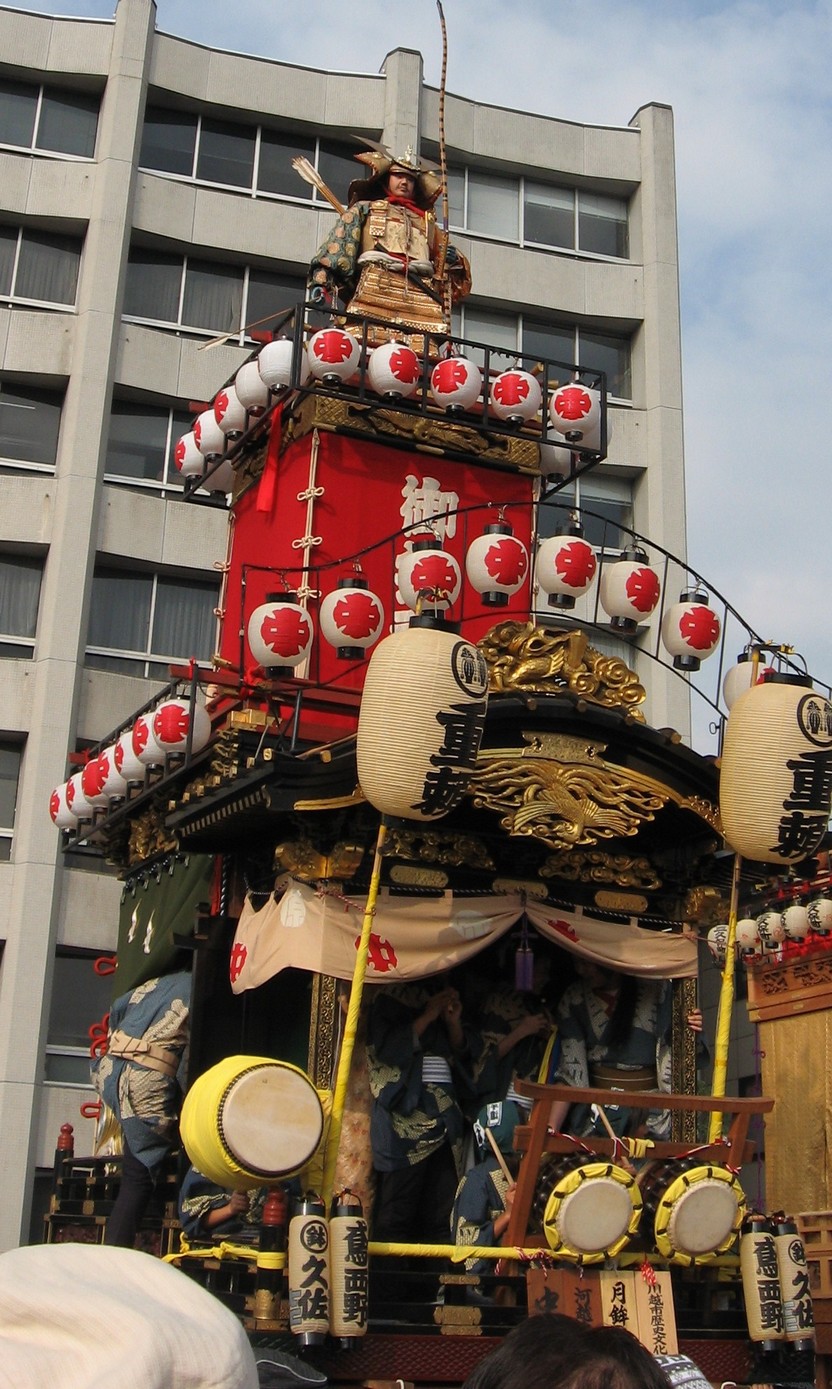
[559, 789]
[522, 656]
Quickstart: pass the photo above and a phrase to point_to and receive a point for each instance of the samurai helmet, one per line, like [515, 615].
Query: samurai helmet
[427, 181]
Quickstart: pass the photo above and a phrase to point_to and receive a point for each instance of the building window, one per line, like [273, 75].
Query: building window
[205, 296]
[606, 506]
[530, 212]
[47, 118]
[80, 997]
[141, 444]
[142, 623]
[38, 268]
[551, 342]
[10, 755]
[29, 424]
[254, 159]
[19, 597]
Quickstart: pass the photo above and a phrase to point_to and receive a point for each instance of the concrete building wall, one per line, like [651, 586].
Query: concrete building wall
[89, 354]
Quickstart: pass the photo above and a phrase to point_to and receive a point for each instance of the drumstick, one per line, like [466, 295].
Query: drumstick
[498, 1155]
[618, 1148]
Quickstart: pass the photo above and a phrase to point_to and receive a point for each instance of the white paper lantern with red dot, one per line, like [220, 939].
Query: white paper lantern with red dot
[187, 456]
[516, 396]
[171, 723]
[76, 801]
[279, 633]
[428, 574]
[210, 439]
[748, 937]
[93, 776]
[796, 921]
[333, 356]
[127, 763]
[630, 590]
[566, 566]
[274, 362]
[455, 384]
[690, 630]
[220, 479]
[575, 412]
[394, 371]
[144, 744]
[497, 564]
[351, 618]
[230, 412]
[62, 816]
[252, 391]
[113, 784]
[739, 678]
[820, 916]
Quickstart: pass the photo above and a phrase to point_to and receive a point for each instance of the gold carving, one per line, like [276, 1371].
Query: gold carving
[629, 902]
[625, 870]
[149, 836]
[706, 810]
[706, 906]
[405, 876]
[522, 656]
[303, 861]
[320, 1056]
[559, 790]
[430, 846]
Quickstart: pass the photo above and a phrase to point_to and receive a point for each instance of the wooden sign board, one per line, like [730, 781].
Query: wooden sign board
[796, 986]
[610, 1298]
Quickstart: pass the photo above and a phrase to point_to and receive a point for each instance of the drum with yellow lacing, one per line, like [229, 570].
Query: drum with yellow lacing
[693, 1209]
[589, 1208]
[251, 1120]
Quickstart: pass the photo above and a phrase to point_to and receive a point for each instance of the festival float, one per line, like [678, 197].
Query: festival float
[418, 749]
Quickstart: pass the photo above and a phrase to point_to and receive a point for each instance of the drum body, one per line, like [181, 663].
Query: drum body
[590, 1208]
[250, 1120]
[693, 1209]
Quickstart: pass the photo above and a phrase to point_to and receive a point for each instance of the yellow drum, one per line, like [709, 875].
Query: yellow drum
[694, 1209]
[592, 1209]
[251, 1120]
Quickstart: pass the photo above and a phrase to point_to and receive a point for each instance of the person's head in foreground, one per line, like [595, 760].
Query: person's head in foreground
[556, 1352]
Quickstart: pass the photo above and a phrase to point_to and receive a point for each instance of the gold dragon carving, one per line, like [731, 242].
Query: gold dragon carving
[559, 789]
[521, 656]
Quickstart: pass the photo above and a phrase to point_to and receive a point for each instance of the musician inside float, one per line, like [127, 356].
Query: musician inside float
[385, 256]
[614, 1031]
[208, 1212]
[485, 1196]
[519, 1034]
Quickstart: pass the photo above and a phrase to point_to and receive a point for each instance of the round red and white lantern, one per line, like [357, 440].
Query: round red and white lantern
[575, 412]
[394, 371]
[820, 916]
[690, 630]
[171, 724]
[127, 763]
[630, 590]
[62, 816]
[428, 575]
[76, 801]
[555, 456]
[93, 777]
[748, 937]
[210, 439]
[187, 457]
[497, 564]
[351, 618]
[421, 721]
[220, 479]
[516, 396]
[333, 356]
[771, 930]
[144, 744]
[566, 566]
[774, 788]
[796, 921]
[230, 412]
[111, 784]
[252, 391]
[280, 633]
[455, 384]
[740, 677]
[274, 362]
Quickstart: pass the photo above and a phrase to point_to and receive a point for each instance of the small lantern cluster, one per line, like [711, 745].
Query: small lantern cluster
[165, 731]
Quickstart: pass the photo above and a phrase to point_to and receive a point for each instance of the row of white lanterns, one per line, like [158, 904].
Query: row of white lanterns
[762, 936]
[394, 372]
[153, 738]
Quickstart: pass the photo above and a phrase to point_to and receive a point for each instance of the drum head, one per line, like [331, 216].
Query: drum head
[592, 1212]
[699, 1213]
[270, 1120]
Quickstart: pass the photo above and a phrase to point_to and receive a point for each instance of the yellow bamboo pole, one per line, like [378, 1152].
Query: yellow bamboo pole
[339, 1097]
[726, 1006]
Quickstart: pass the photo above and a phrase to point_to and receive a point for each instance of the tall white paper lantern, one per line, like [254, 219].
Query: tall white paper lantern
[421, 721]
[776, 770]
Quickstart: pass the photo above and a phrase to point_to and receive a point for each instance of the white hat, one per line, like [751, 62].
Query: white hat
[86, 1316]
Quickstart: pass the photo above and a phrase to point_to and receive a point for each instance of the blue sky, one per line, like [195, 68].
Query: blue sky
[748, 81]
